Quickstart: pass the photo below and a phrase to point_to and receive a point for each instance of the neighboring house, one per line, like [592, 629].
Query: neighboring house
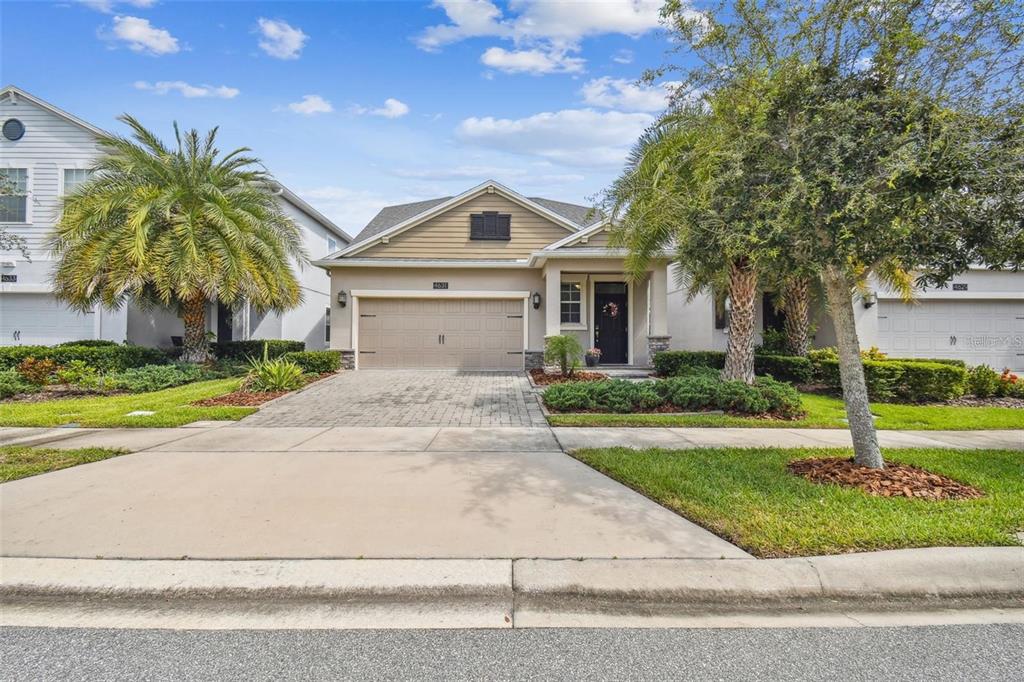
[44, 152]
[479, 280]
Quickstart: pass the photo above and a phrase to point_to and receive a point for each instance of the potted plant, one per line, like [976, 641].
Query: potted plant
[593, 357]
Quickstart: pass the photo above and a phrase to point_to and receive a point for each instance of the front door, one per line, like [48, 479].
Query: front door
[611, 322]
[224, 323]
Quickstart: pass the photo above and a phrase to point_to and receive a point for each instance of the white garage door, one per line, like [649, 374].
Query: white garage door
[38, 319]
[977, 332]
[440, 334]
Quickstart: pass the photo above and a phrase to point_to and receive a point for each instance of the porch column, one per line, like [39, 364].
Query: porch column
[657, 336]
[552, 300]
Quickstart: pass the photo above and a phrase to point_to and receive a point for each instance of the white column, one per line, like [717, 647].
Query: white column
[552, 300]
[659, 301]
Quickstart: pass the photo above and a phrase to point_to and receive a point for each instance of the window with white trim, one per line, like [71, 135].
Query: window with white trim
[13, 195]
[571, 303]
[73, 177]
[332, 246]
[327, 326]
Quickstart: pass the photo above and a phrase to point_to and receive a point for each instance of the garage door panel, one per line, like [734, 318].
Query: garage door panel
[476, 333]
[977, 332]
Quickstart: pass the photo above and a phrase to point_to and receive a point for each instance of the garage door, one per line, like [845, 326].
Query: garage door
[38, 319]
[440, 334]
[977, 332]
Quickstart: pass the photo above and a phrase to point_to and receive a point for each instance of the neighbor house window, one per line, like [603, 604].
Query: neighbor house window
[73, 177]
[572, 303]
[490, 225]
[13, 195]
[327, 326]
[332, 245]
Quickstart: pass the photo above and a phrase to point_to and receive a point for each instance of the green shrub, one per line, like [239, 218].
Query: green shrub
[273, 374]
[12, 383]
[1010, 385]
[773, 342]
[613, 395]
[89, 343]
[982, 381]
[244, 350]
[77, 372]
[564, 351]
[571, 396]
[104, 358]
[152, 378]
[940, 361]
[670, 363]
[792, 368]
[37, 371]
[316, 361]
[898, 381]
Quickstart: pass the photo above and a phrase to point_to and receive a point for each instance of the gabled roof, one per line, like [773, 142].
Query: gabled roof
[13, 90]
[394, 219]
[601, 224]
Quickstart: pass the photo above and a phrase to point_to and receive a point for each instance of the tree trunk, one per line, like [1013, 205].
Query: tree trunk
[851, 370]
[796, 304]
[193, 314]
[739, 356]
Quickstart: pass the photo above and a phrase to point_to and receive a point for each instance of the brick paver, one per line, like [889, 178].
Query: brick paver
[408, 398]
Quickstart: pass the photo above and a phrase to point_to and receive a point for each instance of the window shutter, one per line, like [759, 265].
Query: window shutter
[476, 226]
[490, 224]
[504, 230]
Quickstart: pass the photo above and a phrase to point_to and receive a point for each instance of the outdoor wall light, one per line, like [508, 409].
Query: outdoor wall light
[535, 299]
[342, 299]
[869, 300]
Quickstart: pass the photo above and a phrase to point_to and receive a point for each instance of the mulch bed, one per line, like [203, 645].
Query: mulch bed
[240, 399]
[541, 378]
[971, 401]
[895, 480]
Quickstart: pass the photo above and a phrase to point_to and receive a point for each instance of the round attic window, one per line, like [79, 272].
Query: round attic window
[13, 129]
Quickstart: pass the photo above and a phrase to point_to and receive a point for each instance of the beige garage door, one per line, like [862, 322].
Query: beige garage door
[441, 333]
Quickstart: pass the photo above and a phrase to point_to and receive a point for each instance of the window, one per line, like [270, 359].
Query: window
[721, 314]
[572, 303]
[13, 195]
[490, 225]
[332, 245]
[73, 177]
[327, 326]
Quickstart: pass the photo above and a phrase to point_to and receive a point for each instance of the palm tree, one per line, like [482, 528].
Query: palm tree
[177, 227]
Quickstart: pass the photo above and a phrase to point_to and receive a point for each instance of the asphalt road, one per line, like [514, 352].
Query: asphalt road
[951, 652]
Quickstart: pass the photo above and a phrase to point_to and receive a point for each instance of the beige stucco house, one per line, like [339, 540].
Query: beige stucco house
[479, 280]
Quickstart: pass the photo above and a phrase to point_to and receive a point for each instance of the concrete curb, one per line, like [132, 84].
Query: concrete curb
[494, 593]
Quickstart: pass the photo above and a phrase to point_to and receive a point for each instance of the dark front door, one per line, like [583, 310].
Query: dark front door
[611, 322]
[224, 319]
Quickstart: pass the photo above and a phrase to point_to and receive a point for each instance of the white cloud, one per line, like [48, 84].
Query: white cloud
[475, 18]
[392, 108]
[531, 61]
[311, 105]
[619, 93]
[107, 6]
[623, 57]
[477, 174]
[281, 40]
[577, 137]
[187, 90]
[142, 36]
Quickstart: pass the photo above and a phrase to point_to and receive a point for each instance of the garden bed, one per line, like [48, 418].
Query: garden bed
[542, 378]
[895, 480]
[240, 399]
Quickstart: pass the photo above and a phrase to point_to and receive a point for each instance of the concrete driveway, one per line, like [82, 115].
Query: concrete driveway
[425, 492]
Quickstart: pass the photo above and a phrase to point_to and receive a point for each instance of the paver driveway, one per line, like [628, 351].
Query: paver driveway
[408, 398]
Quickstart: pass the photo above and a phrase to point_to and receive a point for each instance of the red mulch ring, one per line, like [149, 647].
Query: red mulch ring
[543, 379]
[895, 480]
[240, 399]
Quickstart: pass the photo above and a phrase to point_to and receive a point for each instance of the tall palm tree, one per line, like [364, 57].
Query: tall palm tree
[177, 226]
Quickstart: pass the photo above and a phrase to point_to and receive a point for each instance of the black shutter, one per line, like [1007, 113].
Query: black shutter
[504, 230]
[476, 226]
[490, 224]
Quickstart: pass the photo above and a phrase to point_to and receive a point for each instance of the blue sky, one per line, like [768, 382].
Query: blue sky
[355, 105]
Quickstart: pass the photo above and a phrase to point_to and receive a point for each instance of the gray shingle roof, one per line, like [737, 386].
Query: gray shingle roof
[389, 216]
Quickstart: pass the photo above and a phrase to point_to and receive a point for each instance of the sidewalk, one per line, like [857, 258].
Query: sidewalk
[230, 437]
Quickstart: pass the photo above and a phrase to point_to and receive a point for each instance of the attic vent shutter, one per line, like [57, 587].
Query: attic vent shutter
[504, 227]
[476, 226]
[490, 224]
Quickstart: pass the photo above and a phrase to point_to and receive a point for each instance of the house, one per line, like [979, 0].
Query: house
[44, 152]
[479, 280]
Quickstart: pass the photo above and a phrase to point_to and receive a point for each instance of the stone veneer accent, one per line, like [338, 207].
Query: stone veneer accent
[534, 359]
[348, 359]
[657, 344]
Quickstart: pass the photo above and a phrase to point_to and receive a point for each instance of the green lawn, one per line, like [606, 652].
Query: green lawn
[170, 407]
[748, 497]
[18, 461]
[823, 412]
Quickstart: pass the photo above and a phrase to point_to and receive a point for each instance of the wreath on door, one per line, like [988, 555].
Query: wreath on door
[610, 309]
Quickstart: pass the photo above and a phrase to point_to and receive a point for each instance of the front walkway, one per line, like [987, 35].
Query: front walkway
[408, 398]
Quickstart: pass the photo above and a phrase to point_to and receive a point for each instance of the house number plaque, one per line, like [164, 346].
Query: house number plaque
[440, 285]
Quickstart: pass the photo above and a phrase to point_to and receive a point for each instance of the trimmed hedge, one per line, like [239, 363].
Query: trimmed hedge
[791, 368]
[241, 350]
[900, 381]
[103, 358]
[938, 361]
[699, 391]
[316, 361]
